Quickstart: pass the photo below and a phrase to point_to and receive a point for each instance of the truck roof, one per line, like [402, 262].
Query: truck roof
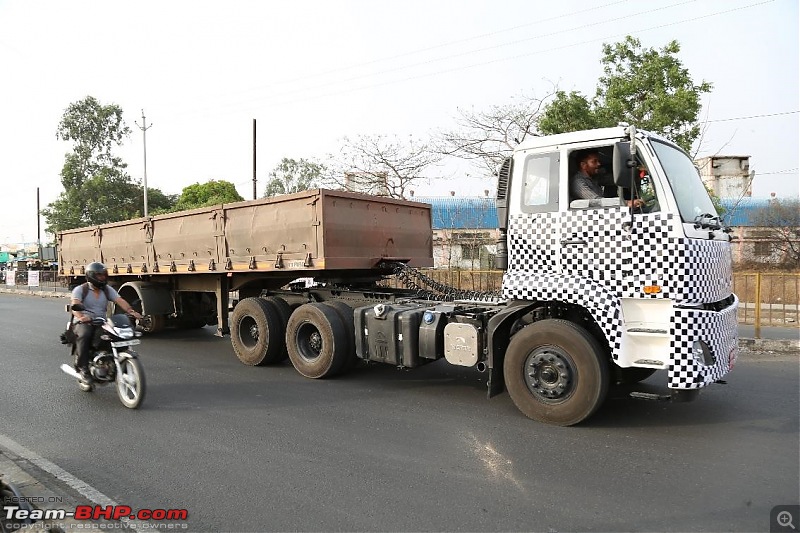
[617, 132]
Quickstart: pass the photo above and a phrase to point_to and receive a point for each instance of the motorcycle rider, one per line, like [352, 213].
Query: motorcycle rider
[95, 301]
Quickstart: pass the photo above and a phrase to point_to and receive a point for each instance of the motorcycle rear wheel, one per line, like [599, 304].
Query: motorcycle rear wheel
[131, 383]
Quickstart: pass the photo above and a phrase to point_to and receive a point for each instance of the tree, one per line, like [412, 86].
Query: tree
[781, 223]
[380, 165]
[157, 201]
[210, 193]
[293, 176]
[488, 137]
[645, 87]
[97, 189]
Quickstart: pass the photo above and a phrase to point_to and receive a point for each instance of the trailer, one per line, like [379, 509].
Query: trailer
[596, 292]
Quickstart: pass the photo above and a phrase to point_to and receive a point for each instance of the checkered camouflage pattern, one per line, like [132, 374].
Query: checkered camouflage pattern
[602, 259]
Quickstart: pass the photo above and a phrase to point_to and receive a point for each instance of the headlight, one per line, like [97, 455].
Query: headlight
[702, 354]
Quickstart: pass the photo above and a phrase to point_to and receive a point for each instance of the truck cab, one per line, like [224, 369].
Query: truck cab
[651, 280]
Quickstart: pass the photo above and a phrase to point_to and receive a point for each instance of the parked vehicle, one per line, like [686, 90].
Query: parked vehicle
[595, 292]
[112, 360]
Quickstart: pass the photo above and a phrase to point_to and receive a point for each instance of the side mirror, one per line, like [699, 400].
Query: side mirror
[78, 307]
[622, 165]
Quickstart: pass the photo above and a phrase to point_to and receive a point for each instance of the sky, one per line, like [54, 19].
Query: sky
[312, 72]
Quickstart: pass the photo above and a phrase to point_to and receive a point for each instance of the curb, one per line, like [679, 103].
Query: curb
[771, 345]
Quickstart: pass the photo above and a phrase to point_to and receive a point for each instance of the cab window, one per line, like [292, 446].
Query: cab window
[540, 189]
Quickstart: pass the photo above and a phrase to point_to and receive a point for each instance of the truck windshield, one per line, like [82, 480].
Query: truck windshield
[690, 193]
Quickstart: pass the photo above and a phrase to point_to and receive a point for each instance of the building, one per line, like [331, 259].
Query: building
[754, 243]
[728, 176]
[464, 231]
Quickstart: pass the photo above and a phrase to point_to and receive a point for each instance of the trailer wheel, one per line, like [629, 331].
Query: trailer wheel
[556, 372]
[284, 312]
[346, 314]
[256, 332]
[153, 323]
[316, 340]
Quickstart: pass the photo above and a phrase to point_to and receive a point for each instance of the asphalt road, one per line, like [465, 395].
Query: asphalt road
[263, 449]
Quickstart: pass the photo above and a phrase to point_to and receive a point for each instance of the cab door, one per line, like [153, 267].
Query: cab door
[534, 229]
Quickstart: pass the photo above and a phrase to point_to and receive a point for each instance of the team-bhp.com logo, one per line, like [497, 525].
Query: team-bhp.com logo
[95, 512]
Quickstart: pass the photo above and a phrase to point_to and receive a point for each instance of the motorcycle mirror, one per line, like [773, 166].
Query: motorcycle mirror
[78, 307]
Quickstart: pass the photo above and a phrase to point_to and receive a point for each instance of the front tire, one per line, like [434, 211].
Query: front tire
[130, 383]
[556, 372]
[317, 341]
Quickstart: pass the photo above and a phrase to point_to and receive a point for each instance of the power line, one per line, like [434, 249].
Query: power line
[484, 63]
[327, 73]
[574, 29]
[754, 116]
[774, 172]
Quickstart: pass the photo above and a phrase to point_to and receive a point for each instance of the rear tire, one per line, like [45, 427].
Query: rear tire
[130, 383]
[346, 314]
[317, 341]
[257, 332]
[284, 311]
[556, 372]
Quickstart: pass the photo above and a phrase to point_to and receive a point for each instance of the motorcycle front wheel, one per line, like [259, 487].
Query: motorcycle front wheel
[130, 383]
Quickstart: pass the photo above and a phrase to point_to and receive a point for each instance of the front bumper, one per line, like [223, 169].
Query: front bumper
[718, 329]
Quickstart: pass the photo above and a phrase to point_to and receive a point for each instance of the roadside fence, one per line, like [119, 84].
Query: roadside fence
[778, 294]
[766, 298]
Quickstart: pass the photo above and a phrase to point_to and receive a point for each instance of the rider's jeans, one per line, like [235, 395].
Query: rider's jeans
[83, 344]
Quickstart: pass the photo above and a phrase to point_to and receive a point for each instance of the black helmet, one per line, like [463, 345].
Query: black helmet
[97, 274]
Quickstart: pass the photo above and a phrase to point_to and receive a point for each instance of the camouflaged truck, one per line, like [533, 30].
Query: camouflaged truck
[599, 292]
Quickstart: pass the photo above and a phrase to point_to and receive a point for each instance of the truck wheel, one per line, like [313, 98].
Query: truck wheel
[629, 376]
[284, 312]
[316, 339]
[153, 323]
[346, 314]
[556, 372]
[256, 332]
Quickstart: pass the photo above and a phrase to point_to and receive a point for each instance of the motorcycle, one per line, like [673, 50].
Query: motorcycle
[112, 360]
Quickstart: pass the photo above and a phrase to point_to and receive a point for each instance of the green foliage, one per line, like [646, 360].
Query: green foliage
[720, 209]
[157, 201]
[97, 189]
[293, 176]
[212, 192]
[645, 87]
[569, 112]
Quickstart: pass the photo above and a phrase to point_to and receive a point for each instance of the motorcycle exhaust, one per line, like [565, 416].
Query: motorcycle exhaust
[68, 370]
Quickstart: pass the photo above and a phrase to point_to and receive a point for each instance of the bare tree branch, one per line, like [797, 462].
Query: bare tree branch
[380, 165]
[488, 137]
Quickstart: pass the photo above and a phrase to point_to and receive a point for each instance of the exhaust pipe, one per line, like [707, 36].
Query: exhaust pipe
[68, 370]
[481, 367]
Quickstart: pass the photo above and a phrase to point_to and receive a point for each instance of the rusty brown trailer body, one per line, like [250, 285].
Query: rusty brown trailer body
[251, 245]
[303, 233]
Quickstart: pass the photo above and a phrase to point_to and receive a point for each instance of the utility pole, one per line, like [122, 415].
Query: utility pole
[255, 195]
[144, 127]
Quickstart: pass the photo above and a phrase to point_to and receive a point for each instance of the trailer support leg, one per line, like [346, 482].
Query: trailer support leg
[222, 306]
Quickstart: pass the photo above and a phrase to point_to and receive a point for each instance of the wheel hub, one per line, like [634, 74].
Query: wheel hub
[315, 341]
[548, 374]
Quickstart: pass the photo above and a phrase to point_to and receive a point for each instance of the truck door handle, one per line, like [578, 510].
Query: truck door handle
[573, 241]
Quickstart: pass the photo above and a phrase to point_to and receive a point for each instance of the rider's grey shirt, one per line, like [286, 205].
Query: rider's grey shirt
[95, 303]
